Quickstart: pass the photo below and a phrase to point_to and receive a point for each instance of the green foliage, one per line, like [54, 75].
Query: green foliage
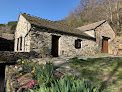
[44, 73]
[99, 69]
[2, 25]
[13, 25]
[68, 85]
[27, 65]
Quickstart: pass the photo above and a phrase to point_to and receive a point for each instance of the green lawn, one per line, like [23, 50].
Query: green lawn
[105, 73]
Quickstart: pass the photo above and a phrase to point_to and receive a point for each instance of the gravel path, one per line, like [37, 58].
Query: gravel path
[63, 61]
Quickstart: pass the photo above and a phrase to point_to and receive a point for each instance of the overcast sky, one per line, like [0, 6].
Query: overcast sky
[47, 9]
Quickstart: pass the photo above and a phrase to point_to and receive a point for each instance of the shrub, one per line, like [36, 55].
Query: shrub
[68, 85]
[44, 73]
[27, 65]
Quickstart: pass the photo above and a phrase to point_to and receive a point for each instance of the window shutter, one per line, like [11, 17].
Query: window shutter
[78, 43]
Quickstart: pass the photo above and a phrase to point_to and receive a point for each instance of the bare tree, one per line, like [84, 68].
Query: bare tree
[96, 10]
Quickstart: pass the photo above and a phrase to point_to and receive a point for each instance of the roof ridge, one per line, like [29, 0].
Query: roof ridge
[40, 22]
[36, 17]
[48, 20]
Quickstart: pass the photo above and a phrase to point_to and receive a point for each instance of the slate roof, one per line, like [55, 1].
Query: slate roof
[91, 26]
[36, 21]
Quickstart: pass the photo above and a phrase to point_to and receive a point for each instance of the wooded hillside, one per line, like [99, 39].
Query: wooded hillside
[87, 11]
[90, 11]
[8, 28]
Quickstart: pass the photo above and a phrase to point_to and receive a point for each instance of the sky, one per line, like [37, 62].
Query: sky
[47, 9]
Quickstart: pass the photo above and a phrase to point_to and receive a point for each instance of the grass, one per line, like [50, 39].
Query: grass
[105, 73]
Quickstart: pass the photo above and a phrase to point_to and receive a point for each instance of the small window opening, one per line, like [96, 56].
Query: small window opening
[17, 44]
[78, 43]
[20, 43]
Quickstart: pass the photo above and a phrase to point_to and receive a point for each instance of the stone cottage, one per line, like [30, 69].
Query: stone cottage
[103, 34]
[42, 36]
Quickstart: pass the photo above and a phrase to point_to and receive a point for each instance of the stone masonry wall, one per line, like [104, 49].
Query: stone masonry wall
[11, 57]
[67, 46]
[11, 83]
[104, 30]
[23, 26]
[41, 40]
[116, 46]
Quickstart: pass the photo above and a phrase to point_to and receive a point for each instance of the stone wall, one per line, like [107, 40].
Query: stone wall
[40, 39]
[10, 57]
[116, 46]
[67, 46]
[10, 83]
[41, 42]
[23, 26]
[106, 31]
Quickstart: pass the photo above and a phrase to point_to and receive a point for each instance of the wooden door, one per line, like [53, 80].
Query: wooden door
[54, 51]
[105, 45]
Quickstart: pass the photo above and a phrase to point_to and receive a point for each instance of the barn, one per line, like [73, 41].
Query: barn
[34, 34]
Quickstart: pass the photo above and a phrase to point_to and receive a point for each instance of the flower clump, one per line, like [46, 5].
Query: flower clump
[41, 71]
[31, 83]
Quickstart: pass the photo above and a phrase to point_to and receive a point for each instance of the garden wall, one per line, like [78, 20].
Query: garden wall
[116, 46]
[11, 84]
[10, 56]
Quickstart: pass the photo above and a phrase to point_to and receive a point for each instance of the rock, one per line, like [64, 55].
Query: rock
[69, 69]
[87, 80]
[20, 89]
[16, 85]
[78, 74]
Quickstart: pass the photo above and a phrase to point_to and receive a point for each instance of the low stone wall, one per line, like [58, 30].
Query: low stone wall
[116, 46]
[10, 83]
[10, 56]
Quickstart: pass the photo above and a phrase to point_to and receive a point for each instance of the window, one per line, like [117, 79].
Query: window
[78, 43]
[20, 43]
[17, 44]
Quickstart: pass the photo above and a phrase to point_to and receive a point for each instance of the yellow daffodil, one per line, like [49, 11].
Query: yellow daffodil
[33, 67]
[38, 80]
[50, 64]
[22, 62]
[43, 67]
[32, 71]
[20, 73]
[50, 61]
[36, 64]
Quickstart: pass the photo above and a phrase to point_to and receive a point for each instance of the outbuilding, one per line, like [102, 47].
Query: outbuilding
[34, 34]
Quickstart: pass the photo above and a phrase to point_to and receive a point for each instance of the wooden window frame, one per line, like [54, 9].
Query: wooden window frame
[78, 43]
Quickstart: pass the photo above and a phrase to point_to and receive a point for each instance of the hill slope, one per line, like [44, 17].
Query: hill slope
[8, 28]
